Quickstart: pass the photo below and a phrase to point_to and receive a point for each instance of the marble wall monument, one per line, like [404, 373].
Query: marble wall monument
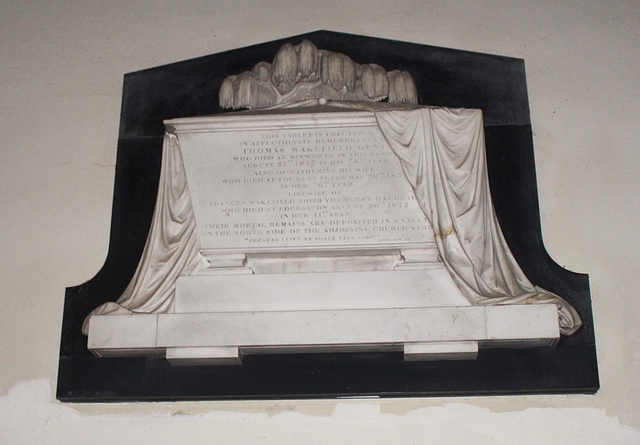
[328, 214]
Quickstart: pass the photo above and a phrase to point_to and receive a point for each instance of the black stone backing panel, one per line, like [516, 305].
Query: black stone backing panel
[445, 77]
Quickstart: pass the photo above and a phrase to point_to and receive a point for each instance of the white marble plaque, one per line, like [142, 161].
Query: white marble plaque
[435, 333]
[320, 180]
[317, 291]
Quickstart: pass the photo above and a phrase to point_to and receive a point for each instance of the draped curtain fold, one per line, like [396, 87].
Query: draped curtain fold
[172, 248]
[442, 154]
[443, 157]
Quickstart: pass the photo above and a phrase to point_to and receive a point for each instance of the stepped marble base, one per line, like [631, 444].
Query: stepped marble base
[422, 333]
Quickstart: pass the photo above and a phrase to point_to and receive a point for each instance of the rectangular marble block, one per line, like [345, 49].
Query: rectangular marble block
[317, 291]
[462, 350]
[516, 323]
[204, 356]
[339, 327]
[123, 335]
[424, 333]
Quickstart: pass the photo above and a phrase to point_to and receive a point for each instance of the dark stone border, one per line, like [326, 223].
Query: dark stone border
[444, 77]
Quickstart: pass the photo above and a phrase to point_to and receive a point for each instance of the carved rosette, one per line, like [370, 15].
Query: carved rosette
[304, 72]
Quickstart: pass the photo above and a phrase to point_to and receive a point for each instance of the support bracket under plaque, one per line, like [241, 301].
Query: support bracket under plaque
[235, 263]
[426, 257]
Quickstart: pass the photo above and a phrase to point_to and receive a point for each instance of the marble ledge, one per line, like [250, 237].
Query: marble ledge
[440, 333]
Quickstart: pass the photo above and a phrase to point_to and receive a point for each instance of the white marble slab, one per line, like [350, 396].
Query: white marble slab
[216, 355]
[518, 323]
[123, 335]
[423, 333]
[303, 262]
[462, 350]
[340, 327]
[317, 291]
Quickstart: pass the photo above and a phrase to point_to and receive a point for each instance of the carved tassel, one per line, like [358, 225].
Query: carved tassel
[307, 59]
[225, 98]
[285, 68]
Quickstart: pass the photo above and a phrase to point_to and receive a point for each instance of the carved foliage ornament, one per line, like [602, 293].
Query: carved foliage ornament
[305, 72]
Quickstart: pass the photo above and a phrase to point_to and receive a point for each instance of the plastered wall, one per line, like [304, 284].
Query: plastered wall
[61, 68]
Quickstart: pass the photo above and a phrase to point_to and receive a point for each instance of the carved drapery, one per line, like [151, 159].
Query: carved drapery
[442, 154]
[172, 248]
[443, 157]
